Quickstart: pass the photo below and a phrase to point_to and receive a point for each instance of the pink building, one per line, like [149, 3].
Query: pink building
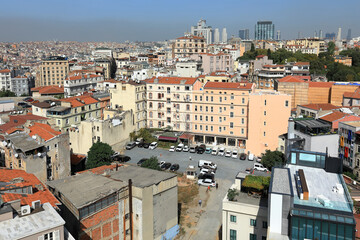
[215, 62]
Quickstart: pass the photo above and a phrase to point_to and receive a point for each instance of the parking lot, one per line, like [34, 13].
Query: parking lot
[227, 167]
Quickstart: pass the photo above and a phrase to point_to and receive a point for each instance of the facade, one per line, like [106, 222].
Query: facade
[269, 112]
[297, 88]
[351, 99]
[52, 71]
[264, 30]
[338, 90]
[244, 34]
[344, 60]
[224, 36]
[73, 110]
[169, 102]
[20, 85]
[216, 35]
[215, 62]
[315, 110]
[106, 64]
[131, 96]
[202, 30]
[5, 79]
[102, 212]
[113, 131]
[348, 145]
[187, 69]
[256, 65]
[6, 105]
[189, 45]
[81, 83]
[316, 45]
[269, 74]
[52, 91]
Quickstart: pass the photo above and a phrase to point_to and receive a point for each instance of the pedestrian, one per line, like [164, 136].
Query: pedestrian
[217, 185]
[200, 202]
[190, 158]
[208, 189]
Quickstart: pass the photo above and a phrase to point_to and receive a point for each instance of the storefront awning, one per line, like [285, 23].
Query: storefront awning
[166, 138]
[186, 136]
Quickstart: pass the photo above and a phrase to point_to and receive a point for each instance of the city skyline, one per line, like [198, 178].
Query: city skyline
[156, 21]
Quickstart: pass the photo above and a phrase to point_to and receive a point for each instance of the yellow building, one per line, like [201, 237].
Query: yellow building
[52, 71]
[130, 96]
[309, 43]
[219, 76]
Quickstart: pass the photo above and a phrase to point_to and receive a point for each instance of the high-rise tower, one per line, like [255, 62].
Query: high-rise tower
[224, 36]
[216, 35]
[264, 30]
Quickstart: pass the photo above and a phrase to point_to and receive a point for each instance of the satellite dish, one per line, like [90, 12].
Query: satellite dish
[39, 154]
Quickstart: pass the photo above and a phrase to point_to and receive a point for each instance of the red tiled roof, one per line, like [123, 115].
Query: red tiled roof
[301, 63]
[79, 101]
[321, 84]
[291, 78]
[190, 37]
[323, 106]
[101, 169]
[77, 158]
[336, 115]
[260, 56]
[355, 94]
[19, 120]
[72, 78]
[271, 66]
[44, 131]
[228, 85]
[5, 71]
[53, 89]
[40, 192]
[172, 80]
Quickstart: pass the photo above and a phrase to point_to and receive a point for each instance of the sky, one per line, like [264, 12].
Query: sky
[157, 20]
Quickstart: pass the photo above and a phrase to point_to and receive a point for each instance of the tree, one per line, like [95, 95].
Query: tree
[273, 159]
[232, 193]
[252, 49]
[151, 163]
[113, 68]
[7, 93]
[331, 48]
[99, 154]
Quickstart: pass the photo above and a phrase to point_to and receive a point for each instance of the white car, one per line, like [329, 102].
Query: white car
[179, 147]
[221, 151]
[186, 148]
[153, 145]
[228, 153]
[207, 182]
[234, 154]
[260, 167]
[172, 149]
[206, 171]
[214, 151]
[161, 163]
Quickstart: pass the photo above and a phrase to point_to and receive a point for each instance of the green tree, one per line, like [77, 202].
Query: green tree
[99, 154]
[273, 158]
[151, 163]
[232, 193]
[7, 93]
[331, 48]
[113, 68]
[252, 49]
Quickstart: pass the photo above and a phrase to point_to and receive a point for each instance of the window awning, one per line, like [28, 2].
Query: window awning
[167, 138]
[186, 136]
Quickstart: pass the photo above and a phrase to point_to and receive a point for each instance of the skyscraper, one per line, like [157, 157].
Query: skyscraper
[348, 37]
[216, 35]
[244, 34]
[278, 35]
[202, 30]
[315, 34]
[264, 30]
[338, 37]
[320, 34]
[224, 36]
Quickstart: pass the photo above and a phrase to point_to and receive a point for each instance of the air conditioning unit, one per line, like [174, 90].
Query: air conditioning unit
[36, 204]
[25, 210]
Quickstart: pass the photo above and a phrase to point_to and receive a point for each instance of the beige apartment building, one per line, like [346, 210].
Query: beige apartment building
[52, 71]
[220, 113]
[106, 64]
[188, 45]
[170, 102]
[269, 112]
[309, 43]
[130, 96]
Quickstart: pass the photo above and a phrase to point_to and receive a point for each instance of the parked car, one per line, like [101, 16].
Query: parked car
[243, 156]
[234, 154]
[172, 149]
[248, 170]
[208, 150]
[165, 166]
[174, 167]
[206, 176]
[153, 145]
[141, 161]
[214, 151]
[179, 147]
[186, 148]
[130, 145]
[221, 151]
[207, 182]
[207, 164]
[206, 171]
[161, 163]
[146, 145]
[251, 157]
[28, 99]
[192, 149]
[260, 167]
[227, 153]
[200, 150]
[141, 144]
[23, 105]
[121, 158]
[138, 141]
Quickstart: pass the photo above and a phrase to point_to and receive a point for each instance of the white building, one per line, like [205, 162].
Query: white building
[202, 30]
[81, 83]
[142, 74]
[187, 69]
[224, 36]
[216, 35]
[102, 52]
[20, 85]
[5, 79]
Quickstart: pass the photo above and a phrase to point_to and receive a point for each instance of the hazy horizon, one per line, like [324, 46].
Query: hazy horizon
[118, 21]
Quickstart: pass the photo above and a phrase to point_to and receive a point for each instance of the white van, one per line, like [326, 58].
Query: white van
[260, 167]
[214, 151]
[221, 151]
[251, 157]
[207, 164]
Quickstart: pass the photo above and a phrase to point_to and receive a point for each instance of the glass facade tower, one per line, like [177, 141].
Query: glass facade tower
[264, 30]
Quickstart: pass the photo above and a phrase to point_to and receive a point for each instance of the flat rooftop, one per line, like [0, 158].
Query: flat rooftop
[312, 123]
[320, 182]
[86, 188]
[141, 177]
[23, 141]
[250, 199]
[281, 182]
[354, 123]
[25, 226]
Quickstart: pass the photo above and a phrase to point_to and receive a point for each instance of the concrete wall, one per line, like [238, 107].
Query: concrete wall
[298, 92]
[275, 213]
[59, 230]
[319, 94]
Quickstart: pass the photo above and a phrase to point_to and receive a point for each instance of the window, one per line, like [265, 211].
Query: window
[212, 98]
[206, 127]
[207, 98]
[232, 96]
[211, 109]
[264, 123]
[232, 218]
[195, 117]
[264, 113]
[243, 111]
[195, 127]
[206, 108]
[231, 125]
[201, 118]
[232, 234]
[201, 127]
[200, 98]
[231, 114]
[211, 128]
[264, 134]
[265, 102]
[253, 222]
[264, 224]
[211, 118]
[206, 118]
[286, 103]
[252, 236]
[243, 100]
[195, 97]
[263, 238]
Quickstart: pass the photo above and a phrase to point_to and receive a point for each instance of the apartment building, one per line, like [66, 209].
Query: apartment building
[351, 98]
[309, 43]
[269, 74]
[295, 87]
[343, 60]
[170, 102]
[215, 62]
[256, 65]
[114, 131]
[349, 145]
[73, 110]
[315, 110]
[268, 114]
[5, 79]
[81, 83]
[53, 91]
[52, 71]
[187, 69]
[188, 45]
[297, 69]
[20, 85]
[100, 208]
[339, 88]
[220, 113]
[105, 63]
[130, 96]
[219, 76]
